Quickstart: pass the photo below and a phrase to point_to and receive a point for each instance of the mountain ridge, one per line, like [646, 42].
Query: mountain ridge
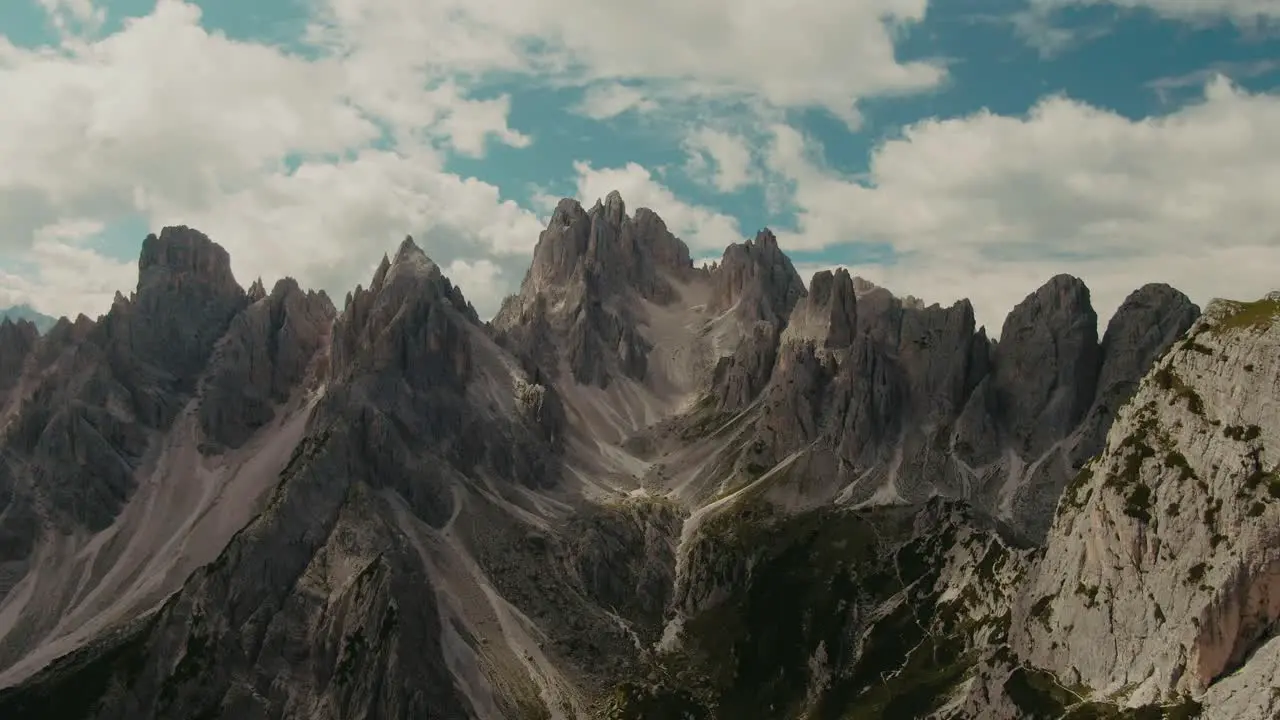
[542, 513]
[24, 312]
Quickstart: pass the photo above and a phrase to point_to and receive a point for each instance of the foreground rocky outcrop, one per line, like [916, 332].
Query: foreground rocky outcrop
[645, 490]
[1162, 573]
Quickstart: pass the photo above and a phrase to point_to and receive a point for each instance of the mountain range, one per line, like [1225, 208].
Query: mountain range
[645, 490]
[15, 313]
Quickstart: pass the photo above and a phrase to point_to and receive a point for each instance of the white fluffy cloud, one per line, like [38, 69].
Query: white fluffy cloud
[607, 100]
[329, 222]
[60, 261]
[274, 154]
[796, 53]
[180, 125]
[310, 165]
[990, 206]
[159, 109]
[722, 158]
[74, 17]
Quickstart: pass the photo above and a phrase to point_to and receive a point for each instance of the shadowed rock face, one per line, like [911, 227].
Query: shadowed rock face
[1147, 323]
[265, 355]
[757, 279]
[185, 300]
[17, 340]
[588, 269]
[888, 398]
[644, 490]
[99, 389]
[1046, 365]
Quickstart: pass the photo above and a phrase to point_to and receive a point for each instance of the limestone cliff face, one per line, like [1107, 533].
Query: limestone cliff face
[1161, 573]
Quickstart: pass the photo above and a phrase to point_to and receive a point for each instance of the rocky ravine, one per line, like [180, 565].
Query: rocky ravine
[644, 490]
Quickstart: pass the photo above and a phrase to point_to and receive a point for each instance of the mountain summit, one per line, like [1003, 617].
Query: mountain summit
[644, 490]
[18, 313]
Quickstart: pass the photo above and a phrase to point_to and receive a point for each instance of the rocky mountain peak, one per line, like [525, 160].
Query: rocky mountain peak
[1149, 320]
[25, 312]
[411, 320]
[187, 254]
[1047, 361]
[757, 279]
[1171, 530]
[410, 254]
[637, 253]
[160, 339]
[561, 248]
[257, 291]
[827, 315]
[615, 210]
[267, 354]
[592, 271]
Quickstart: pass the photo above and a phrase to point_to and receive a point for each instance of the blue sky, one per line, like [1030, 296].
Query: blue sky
[959, 148]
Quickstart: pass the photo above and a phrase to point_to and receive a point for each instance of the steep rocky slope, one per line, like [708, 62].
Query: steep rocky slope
[107, 498]
[644, 490]
[1162, 573]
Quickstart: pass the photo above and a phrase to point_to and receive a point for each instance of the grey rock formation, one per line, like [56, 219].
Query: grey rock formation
[588, 269]
[105, 505]
[265, 355]
[25, 313]
[17, 340]
[83, 428]
[1159, 576]
[757, 280]
[644, 490]
[1047, 364]
[1146, 324]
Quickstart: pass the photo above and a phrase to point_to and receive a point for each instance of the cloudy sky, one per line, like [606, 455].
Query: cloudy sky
[944, 148]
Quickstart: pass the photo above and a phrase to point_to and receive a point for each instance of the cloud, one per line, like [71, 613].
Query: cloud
[68, 277]
[601, 102]
[74, 18]
[275, 155]
[1243, 12]
[1040, 25]
[87, 131]
[329, 222]
[311, 163]
[824, 53]
[701, 228]
[466, 124]
[994, 205]
[722, 158]
[1036, 26]
[1236, 71]
[299, 162]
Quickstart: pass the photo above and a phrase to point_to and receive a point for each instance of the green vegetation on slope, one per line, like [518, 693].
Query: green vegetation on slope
[832, 615]
[1249, 315]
